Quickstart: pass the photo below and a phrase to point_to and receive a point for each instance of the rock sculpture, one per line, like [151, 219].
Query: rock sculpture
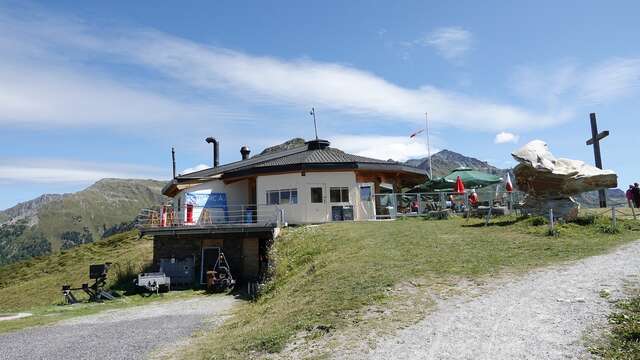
[550, 182]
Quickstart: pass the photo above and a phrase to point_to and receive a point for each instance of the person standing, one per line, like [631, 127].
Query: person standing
[630, 196]
[636, 195]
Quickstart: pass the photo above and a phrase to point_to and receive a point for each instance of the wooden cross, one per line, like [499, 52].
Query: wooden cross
[595, 141]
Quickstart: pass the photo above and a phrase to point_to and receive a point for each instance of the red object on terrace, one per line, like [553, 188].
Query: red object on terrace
[509, 186]
[459, 189]
[189, 214]
[163, 217]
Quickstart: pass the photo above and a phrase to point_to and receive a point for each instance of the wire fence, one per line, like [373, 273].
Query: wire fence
[191, 215]
[392, 205]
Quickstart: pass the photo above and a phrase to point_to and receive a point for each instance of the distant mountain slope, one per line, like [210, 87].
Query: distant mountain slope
[446, 161]
[53, 222]
[591, 199]
[289, 144]
[28, 210]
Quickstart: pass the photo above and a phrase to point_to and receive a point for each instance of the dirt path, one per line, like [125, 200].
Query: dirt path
[542, 315]
[131, 333]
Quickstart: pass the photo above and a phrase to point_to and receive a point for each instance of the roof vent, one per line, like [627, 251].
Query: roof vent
[317, 144]
[245, 152]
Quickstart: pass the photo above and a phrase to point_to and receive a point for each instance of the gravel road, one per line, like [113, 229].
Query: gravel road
[542, 315]
[131, 333]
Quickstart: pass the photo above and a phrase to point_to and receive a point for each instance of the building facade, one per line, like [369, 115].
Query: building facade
[238, 208]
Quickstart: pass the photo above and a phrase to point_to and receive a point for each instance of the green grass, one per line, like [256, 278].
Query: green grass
[37, 282]
[327, 276]
[623, 342]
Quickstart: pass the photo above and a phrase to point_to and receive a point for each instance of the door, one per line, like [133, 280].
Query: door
[317, 203]
[367, 207]
[209, 260]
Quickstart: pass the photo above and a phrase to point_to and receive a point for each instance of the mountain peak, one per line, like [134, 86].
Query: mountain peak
[445, 161]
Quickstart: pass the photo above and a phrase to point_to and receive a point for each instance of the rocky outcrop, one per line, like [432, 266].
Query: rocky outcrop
[551, 182]
[28, 210]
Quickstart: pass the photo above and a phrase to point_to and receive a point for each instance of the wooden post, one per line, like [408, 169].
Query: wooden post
[551, 219]
[613, 216]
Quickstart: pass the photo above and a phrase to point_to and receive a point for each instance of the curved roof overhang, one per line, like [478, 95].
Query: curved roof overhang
[410, 174]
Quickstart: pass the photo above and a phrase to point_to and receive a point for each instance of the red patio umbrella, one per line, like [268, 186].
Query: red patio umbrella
[459, 188]
[508, 186]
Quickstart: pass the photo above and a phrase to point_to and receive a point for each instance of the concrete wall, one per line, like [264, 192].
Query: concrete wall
[242, 252]
[304, 211]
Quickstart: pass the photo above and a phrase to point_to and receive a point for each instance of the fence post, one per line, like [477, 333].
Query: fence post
[551, 219]
[613, 216]
[489, 213]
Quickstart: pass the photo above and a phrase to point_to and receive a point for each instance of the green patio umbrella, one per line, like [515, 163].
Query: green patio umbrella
[472, 179]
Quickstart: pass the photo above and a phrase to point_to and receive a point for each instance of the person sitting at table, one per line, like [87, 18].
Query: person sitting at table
[473, 199]
[414, 206]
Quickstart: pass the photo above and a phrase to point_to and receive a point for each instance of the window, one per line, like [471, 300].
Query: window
[339, 194]
[286, 196]
[273, 197]
[316, 195]
[365, 193]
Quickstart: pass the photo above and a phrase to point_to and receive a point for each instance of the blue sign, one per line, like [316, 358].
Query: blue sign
[207, 200]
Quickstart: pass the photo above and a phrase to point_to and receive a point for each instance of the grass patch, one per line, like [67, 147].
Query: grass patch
[325, 275]
[37, 282]
[624, 340]
[34, 285]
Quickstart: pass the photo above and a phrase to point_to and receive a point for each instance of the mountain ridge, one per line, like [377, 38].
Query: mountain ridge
[52, 222]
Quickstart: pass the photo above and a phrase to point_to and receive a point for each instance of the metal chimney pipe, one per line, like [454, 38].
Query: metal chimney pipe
[173, 158]
[216, 159]
[245, 152]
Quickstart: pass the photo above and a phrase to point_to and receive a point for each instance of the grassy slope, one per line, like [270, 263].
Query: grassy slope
[325, 274]
[37, 282]
[623, 340]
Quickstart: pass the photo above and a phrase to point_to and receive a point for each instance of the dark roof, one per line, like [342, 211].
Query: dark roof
[314, 155]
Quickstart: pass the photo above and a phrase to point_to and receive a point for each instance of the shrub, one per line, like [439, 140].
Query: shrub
[538, 221]
[553, 232]
[609, 229]
[585, 220]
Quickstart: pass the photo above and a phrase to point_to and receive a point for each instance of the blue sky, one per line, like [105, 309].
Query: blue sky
[104, 89]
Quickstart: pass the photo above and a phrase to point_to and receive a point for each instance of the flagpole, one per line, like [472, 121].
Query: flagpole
[426, 119]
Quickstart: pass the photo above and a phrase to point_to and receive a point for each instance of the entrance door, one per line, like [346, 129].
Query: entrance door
[317, 203]
[210, 256]
[367, 208]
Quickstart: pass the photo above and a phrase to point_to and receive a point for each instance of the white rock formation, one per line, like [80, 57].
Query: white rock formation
[550, 182]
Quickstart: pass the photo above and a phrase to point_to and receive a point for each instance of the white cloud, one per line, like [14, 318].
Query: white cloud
[612, 79]
[64, 171]
[399, 148]
[52, 74]
[44, 95]
[506, 137]
[452, 43]
[68, 96]
[569, 83]
[195, 168]
[329, 85]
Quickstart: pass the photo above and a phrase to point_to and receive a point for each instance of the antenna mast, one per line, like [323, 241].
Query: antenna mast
[315, 127]
[426, 119]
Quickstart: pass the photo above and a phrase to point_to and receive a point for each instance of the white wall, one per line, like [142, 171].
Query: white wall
[304, 211]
